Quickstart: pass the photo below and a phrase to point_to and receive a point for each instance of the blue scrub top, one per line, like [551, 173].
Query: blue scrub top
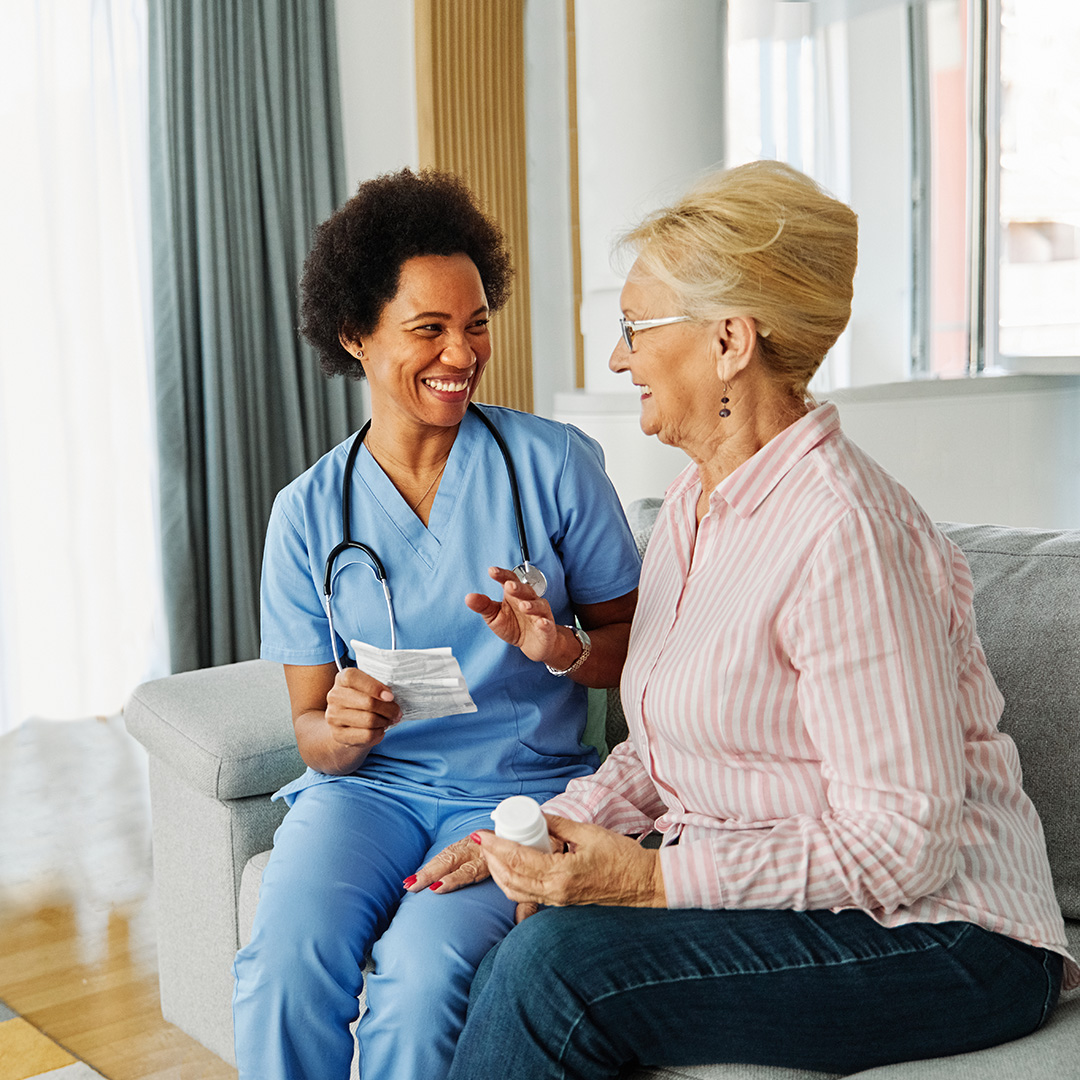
[527, 729]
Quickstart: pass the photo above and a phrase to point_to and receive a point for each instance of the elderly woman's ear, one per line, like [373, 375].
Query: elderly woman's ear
[734, 342]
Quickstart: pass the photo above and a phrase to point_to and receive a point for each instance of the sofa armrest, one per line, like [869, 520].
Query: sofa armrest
[227, 731]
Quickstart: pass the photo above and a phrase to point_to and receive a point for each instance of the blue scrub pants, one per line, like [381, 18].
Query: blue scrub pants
[331, 893]
[576, 993]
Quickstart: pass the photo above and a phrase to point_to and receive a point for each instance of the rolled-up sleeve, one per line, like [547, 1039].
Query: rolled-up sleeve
[619, 796]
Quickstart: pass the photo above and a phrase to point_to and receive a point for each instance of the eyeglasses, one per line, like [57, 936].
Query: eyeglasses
[629, 327]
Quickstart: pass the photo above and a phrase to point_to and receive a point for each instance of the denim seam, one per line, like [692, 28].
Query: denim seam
[1049, 989]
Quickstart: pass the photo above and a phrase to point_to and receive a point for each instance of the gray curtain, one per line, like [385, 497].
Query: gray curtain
[246, 158]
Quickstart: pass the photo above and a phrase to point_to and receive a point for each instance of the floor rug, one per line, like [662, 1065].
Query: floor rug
[27, 1054]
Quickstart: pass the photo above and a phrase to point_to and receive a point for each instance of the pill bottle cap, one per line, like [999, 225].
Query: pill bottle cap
[519, 818]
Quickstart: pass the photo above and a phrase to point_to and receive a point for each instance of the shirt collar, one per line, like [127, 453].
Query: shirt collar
[752, 482]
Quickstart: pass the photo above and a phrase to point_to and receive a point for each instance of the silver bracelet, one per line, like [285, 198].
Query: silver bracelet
[586, 648]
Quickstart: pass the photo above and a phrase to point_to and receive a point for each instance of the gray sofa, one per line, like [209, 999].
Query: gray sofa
[220, 741]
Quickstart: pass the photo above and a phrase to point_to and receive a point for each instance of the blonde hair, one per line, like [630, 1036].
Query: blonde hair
[765, 241]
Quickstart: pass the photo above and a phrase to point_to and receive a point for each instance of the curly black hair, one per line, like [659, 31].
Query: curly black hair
[354, 266]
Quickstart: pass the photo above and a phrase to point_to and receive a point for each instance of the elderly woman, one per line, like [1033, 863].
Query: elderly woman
[850, 872]
[398, 288]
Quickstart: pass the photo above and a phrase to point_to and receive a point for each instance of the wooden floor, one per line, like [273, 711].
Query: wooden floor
[77, 953]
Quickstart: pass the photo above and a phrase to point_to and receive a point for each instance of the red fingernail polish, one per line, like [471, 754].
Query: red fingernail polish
[409, 881]
[437, 885]
[474, 837]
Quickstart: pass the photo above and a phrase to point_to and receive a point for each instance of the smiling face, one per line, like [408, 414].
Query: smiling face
[672, 366]
[426, 355]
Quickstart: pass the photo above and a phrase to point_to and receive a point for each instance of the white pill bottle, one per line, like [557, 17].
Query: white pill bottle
[519, 819]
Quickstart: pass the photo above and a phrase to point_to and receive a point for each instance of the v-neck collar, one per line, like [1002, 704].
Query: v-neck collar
[424, 540]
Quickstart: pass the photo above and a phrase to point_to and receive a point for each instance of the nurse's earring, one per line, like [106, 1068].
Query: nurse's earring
[353, 348]
[725, 411]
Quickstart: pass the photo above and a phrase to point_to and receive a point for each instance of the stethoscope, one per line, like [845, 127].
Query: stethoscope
[525, 570]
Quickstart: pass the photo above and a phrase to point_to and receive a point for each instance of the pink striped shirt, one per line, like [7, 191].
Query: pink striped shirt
[810, 710]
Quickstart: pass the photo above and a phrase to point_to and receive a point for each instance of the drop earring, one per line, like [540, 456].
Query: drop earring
[725, 411]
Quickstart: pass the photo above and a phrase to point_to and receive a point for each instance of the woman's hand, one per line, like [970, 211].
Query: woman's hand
[462, 863]
[338, 716]
[598, 867]
[521, 618]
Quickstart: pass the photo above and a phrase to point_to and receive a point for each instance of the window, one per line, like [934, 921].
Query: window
[1039, 189]
[80, 621]
[940, 77]
[969, 246]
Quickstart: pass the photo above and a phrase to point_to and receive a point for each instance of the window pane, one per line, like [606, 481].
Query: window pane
[1040, 178]
[825, 88]
[946, 47]
[80, 585]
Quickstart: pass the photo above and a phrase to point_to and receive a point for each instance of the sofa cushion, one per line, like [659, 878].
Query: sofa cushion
[727, 1072]
[641, 516]
[1027, 613]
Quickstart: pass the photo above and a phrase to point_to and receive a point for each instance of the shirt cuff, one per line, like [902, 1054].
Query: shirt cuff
[690, 876]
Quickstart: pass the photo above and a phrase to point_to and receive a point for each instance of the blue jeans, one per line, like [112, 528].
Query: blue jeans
[581, 992]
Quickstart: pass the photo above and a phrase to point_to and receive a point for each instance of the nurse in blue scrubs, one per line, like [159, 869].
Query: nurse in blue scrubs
[399, 288]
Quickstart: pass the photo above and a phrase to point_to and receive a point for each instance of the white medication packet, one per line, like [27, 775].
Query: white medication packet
[425, 682]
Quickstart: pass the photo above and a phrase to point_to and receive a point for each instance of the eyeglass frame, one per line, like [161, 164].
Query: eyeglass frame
[630, 327]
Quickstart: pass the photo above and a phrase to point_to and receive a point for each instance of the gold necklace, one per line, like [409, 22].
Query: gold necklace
[427, 490]
[390, 457]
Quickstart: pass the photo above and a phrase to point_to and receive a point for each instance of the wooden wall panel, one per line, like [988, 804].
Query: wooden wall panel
[470, 76]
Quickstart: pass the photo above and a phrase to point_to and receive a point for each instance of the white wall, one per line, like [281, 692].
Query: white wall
[377, 82]
[650, 83]
[377, 78]
[1002, 450]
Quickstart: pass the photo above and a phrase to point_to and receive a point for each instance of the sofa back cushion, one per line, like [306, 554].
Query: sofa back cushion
[1027, 612]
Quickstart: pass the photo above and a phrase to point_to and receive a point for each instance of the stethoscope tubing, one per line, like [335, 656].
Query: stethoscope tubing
[347, 542]
[511, 474]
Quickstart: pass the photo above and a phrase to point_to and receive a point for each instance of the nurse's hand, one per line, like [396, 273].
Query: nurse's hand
[521, 618]
[359, 709]
[462, 863]
[338, 716]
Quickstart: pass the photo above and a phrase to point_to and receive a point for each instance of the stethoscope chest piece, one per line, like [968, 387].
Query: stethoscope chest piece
[531, 575]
